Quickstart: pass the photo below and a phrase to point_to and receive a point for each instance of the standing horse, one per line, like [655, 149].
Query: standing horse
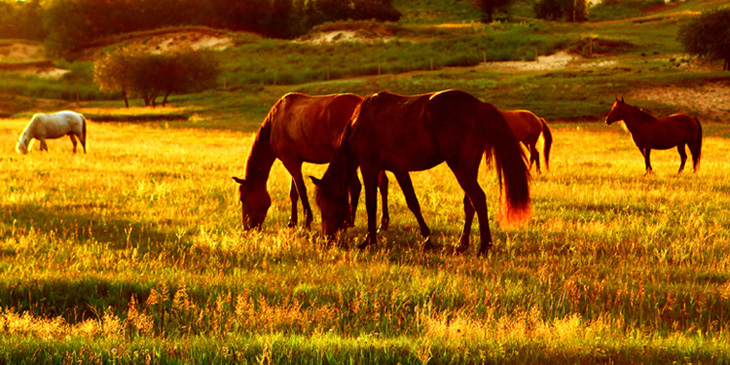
[527, 128]
[649, 133]
[298, 128]
[412, 133]
[51, 126]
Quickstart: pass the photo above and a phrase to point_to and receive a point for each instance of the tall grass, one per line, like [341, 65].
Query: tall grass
[134, 253]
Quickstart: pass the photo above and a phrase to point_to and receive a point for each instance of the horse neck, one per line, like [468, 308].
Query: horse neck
[635, 117]
[261, 159]
[342, 165]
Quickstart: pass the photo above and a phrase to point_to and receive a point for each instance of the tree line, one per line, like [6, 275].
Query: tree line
[68, 24]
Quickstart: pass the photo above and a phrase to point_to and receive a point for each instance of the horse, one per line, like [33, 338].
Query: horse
[527, 128]
[649, 132]
[298, 128]
[401, 133]
[51, 126]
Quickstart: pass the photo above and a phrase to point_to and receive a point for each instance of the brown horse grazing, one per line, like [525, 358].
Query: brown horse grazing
[527, 128]
[411, 133]
[650, 133]
[299, 128]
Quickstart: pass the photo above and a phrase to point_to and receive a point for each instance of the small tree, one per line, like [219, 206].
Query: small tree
[113, 70]
[708, 36]
[150, 76]
[488, 7]
[568, 10]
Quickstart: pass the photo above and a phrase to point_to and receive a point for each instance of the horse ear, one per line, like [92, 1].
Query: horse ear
[240, 181]
[622, 99]
[316, 181]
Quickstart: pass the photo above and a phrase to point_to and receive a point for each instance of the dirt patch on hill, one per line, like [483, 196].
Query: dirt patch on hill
[711, 100]
[163, 40]
[353, 32]
[19, 51]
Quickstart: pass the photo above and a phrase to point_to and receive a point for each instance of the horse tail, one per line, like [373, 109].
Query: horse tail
[697, 154]
[509, 161]
[547, 135]
[83, 132]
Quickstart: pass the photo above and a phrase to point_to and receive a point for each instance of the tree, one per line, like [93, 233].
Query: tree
[568, 10]
[135, 71]
[708, 36]
[489, 6]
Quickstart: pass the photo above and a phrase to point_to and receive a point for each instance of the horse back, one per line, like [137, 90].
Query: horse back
[307, 128]
[670, 131]
[525, 125]
[56, 125]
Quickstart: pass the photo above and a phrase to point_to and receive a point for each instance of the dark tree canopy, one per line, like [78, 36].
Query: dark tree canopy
[488, 7]
[708, 36]
[134, 71]
[567, 10]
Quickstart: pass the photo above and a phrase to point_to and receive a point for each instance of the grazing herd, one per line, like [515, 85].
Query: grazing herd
[400, 134]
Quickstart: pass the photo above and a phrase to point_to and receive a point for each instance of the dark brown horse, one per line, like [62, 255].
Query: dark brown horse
[527, 128]
[650, 133]
[299, 128]
[411, 133]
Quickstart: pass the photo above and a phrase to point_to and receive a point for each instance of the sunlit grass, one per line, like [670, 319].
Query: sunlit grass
[135, 250]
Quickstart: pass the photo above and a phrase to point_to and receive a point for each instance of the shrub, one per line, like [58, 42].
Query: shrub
[708, 36]
[133, 71]
[567, 10]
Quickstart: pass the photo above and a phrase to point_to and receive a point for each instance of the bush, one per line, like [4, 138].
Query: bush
[134, 71]
[567, 10]
[708, 36]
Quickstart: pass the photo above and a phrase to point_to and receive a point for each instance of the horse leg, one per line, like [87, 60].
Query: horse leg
[406, 185]
[355, 187]
[73, 140]
[44, 146]
[468, 181]
[468, 219]
[682, 156]
[534, 156]
[294, 198]
[647, 161]
[383, 186]
[295, 170]
[370, 180]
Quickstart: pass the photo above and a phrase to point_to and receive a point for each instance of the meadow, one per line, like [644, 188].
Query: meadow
[133, 253]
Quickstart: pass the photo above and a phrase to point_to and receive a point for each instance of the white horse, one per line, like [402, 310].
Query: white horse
[54, 125]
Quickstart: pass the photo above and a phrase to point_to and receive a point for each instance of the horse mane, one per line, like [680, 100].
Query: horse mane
[262, 156]
[642, 114]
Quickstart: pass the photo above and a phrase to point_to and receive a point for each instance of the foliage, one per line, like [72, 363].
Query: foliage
[489, 6]
[73, 23]
[566, 10]
[134, 70]
[708, 35]
[22, 20]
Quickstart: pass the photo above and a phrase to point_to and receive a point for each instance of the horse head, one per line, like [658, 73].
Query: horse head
[617, 111]
[21, 146]
[254, 204]
[334, 207]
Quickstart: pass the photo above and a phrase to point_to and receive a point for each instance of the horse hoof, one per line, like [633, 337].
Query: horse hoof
[461, 249]
[384, 225]
[427, 244]
[364, 245]
[292, 223]
[484, 250]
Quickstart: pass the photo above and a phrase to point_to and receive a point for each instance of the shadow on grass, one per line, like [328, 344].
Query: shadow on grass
[84, 222]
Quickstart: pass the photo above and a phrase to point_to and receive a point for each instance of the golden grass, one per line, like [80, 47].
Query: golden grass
[140, 239]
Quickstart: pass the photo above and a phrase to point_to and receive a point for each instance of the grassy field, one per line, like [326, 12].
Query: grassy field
[133, 253]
